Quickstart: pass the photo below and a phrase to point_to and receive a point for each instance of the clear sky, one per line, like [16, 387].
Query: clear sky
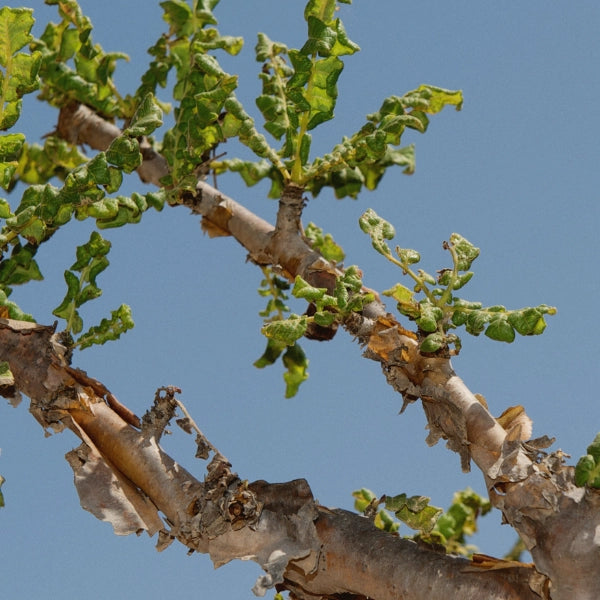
[516, 172]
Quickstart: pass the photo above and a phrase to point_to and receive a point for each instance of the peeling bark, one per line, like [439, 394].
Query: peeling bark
[124, 477]
[533, 489]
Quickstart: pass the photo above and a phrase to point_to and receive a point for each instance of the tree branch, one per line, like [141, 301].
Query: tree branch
[534, 490]
[123, 476]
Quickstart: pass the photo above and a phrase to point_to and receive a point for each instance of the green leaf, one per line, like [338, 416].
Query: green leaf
[242, 123]
[326, 35]
[15, 25]
[21, 70]
[500, 329]
[124, 152]
[433, 342]
[408, 256]
[323, 243]
[91, 261]
[286, 331]
[146, 119]
[109, 329]
[530, 321]
[302, 289]
[414, 511]
[407, 305]
[429, 317]
[362, 499]
[4, 209]
[587, 470]
[378, 229]
[475, 322]
[324, 318]
[466, 252]
[178, 14]
[14, 312]
[296, 365]
[20, 267]
[313, 87]
[11, 146]
[272, 352]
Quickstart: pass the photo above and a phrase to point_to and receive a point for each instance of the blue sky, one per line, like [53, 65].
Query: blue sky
[516, 172]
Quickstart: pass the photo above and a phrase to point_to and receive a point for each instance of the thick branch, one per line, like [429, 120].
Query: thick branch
[123, 476]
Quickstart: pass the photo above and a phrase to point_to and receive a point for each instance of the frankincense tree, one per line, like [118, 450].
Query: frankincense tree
[121, 472]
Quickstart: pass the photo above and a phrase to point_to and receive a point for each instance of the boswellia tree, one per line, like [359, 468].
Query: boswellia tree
[176, 150]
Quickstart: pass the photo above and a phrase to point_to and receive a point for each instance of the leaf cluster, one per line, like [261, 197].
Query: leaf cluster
[439, 310]
[19, 70]
[299, 92]
[86, 182]
[201, 88]
[448, 529]
[348, 297]
[294, 359]
[44, 208]
[587, 470]
[74, 67]
[82, 287]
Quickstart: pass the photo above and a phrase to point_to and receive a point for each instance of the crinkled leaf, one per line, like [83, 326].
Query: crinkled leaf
[95, 248]
[272, 352]
[296, 365]
[500, 329]
[91, 261]
[407, 305]
[11, 145]
[302, 289]
[20, 267]
[243, 125]
[91, 80]
[14, 312]
[466, 252]
[288, 330]
[326, 35]
[414, 511]
[475, 322]
[324, 318]
[324, 243]
[587, 471]
[362, 499]
[429, 317]
[109, 329]
[433, 342]
[67, 309]
[15, 27]
[20, 76]
[4, 209]
[407, 255]
[530, 321]
[56, 158]
[125, 153]
[146, 119]
[378, 229]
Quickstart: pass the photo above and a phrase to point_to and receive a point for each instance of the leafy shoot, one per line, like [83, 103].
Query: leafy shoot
[432, 302]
